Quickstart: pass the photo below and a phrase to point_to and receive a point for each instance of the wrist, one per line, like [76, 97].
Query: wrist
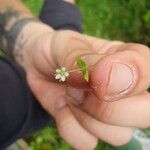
[31, 44]
[29, 32]
[13, 23]
[8, 21]
[29, 39]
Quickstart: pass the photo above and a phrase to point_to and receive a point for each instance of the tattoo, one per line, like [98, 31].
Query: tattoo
[11, 24]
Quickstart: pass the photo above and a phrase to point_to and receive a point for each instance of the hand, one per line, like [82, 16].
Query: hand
[83, 112]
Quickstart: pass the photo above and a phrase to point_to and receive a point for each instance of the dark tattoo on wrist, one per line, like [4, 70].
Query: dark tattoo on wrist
[11, 24]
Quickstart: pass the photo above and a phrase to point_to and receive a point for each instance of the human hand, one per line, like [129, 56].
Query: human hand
[82, 123]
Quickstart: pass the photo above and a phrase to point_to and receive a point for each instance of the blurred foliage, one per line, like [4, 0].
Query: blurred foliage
[47, 139]
[127, 20]
[34, 5]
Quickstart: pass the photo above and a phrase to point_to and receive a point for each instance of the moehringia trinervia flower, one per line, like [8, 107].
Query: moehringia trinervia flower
[61, 74]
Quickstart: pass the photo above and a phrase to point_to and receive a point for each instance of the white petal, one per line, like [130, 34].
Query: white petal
[63, 78]
[63, 68]
[66, 74]
[58, 76]
[58, 70]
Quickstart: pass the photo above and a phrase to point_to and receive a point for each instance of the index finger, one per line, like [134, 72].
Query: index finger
[67, 45]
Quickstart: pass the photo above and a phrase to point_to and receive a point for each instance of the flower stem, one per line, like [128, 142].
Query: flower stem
[75, 70]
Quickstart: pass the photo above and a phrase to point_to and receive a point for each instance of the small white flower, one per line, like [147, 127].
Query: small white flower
[63, 78]
[63, 69]
[58, 70]
[66, 74]
[61, 74]
[58, 76]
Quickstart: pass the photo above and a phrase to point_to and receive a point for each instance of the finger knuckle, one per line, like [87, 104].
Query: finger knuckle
[85, 120]
[105, 111]
[137, 46]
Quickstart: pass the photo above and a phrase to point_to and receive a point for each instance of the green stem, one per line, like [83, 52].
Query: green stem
[75, 70]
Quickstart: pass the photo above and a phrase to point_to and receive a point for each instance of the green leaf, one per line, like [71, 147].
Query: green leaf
[83, 67]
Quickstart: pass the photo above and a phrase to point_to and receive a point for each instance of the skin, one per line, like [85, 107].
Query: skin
[85, 112]
[70, 1]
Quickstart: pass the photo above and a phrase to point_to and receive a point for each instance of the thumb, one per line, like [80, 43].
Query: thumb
[122, 74]
[66, 46]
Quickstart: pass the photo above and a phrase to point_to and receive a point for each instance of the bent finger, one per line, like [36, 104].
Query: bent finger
[72, 131]
[132, 111]
[113, 135]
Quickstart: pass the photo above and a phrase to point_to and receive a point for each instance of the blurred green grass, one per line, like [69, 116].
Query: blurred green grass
[34, 5]
[118, 20]
[127, 20]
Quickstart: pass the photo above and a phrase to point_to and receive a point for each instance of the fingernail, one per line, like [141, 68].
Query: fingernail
[60, 103]
[121, 78]
[76, 94]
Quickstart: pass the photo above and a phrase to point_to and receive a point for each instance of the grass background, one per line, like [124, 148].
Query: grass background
[127, 20]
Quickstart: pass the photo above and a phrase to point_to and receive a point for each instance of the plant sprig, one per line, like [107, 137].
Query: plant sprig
[62, 73]
[83, 67]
